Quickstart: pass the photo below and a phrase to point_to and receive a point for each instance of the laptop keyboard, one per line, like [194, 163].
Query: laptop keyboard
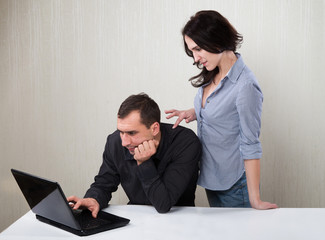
[87, 221]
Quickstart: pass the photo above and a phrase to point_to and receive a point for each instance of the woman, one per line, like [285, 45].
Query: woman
[228, 109]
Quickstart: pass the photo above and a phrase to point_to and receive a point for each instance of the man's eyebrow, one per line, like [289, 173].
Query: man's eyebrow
[128, 132]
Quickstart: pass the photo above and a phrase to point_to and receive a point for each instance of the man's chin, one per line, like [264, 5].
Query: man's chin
[131, 151]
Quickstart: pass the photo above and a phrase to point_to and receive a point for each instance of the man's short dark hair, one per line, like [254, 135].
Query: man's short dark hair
[148, 108]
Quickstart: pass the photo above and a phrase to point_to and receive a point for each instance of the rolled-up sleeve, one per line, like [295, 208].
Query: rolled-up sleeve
[249, 106]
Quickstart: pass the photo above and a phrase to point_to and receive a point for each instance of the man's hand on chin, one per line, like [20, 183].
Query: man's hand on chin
[145, 150]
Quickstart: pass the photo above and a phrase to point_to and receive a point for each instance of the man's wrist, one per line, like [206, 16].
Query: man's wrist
[147, 170]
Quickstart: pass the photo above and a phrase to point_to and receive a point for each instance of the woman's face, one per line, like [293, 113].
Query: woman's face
[209, 60]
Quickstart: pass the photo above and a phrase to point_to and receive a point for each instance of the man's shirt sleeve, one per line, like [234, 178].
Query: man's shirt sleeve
[164, 190]
[106, 181]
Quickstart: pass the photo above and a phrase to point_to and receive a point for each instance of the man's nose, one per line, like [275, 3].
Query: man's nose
[125, 139]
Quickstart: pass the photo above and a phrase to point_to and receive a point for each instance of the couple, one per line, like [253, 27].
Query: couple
[157, 163]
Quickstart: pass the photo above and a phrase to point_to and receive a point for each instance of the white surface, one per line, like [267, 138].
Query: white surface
[66, 66]
[190, 223]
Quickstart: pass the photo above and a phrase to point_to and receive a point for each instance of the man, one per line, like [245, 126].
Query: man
[155, 164]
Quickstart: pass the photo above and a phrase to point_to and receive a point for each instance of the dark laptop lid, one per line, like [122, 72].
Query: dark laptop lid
[45, 198]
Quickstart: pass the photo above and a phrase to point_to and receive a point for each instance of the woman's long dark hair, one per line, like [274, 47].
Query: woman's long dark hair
[213, 33]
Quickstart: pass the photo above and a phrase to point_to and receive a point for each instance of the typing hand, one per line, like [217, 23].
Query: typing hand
[90, 203]
[145, 150]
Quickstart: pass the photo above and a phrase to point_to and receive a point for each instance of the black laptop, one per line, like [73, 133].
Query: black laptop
[48, 202]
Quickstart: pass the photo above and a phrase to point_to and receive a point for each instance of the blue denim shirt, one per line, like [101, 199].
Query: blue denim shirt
[229, 127]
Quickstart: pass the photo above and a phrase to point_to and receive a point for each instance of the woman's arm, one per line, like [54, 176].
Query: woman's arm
[252, 167]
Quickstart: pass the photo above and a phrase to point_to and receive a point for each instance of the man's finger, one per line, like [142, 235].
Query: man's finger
[145, 145]
[77, 205]
[140, 148]
[72, 199]
[152, 144]
[94, 213]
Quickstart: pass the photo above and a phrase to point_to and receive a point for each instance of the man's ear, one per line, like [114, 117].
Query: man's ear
[155, 128]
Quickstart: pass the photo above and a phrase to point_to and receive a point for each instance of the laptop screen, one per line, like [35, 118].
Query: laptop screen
[45, 198]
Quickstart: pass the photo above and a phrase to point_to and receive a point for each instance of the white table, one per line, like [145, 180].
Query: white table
[190, 223]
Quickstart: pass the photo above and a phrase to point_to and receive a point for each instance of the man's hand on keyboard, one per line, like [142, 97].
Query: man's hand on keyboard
[90, 203]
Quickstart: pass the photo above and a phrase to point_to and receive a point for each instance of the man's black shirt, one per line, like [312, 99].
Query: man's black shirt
[167, 179]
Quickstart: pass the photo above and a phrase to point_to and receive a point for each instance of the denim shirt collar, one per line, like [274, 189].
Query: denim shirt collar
[236, 69]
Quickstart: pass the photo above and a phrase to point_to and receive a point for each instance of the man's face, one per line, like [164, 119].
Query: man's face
[132, 131]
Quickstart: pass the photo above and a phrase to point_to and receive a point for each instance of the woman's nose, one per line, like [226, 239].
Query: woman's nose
[196, 57]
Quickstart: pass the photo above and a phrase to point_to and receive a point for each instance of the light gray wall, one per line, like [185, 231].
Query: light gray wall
[65, 67]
